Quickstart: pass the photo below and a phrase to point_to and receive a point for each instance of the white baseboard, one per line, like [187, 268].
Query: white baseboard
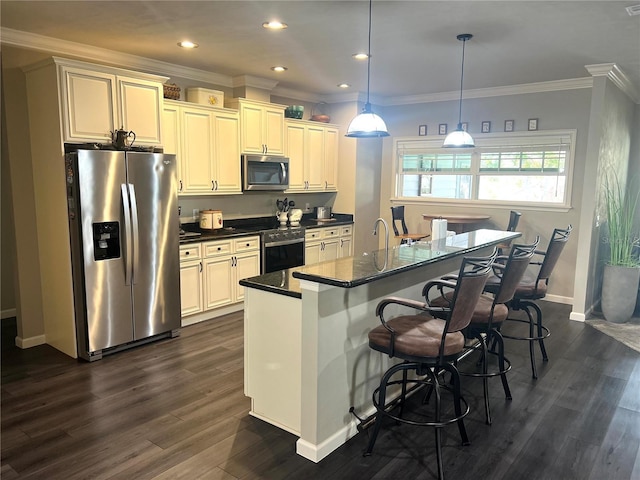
[209, 314]
[578, 317]
[8, 313]
[559, 299]
[315, 453]
[30, 342]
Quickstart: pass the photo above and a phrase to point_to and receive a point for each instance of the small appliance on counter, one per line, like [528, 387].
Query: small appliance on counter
[210, 219]
[323, 214]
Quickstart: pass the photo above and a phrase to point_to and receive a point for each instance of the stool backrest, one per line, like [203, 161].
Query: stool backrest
[558, 240]
[513, 271]
[472, 278]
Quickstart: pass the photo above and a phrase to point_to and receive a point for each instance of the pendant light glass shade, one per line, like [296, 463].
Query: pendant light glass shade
[459, 138]
[367, 124]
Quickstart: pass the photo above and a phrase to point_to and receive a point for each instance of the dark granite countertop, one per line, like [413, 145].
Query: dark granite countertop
[350, 272]
[253, 226]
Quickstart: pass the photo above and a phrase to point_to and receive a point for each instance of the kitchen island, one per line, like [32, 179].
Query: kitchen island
[307, 359]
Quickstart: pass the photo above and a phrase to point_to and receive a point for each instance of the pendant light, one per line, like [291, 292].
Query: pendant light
[367, 124]
[459, 138]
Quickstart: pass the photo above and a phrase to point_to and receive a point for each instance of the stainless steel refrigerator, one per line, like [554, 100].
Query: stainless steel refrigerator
[123, 218]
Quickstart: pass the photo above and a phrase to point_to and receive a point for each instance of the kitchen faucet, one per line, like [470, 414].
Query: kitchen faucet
[386, 230]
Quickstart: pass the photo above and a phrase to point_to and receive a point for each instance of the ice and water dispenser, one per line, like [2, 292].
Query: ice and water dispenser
[106, 240]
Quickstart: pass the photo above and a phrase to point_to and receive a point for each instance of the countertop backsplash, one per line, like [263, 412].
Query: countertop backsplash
[250, 204]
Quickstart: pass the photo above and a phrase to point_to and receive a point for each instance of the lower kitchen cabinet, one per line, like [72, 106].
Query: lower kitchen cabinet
[345, 248]
[327, 243]
[213, 278]
[226, 262]
[190, 279]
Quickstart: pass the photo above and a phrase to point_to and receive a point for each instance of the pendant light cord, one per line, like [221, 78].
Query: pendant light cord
[464, 41]
[369, 52]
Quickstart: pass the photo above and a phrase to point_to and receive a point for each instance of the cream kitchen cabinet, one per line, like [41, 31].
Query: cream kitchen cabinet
[261, 126]
[206, 142]
[225, 263]
[96, 100]
[312, 149]
[346, 241]
[190, 279]
[327, 243]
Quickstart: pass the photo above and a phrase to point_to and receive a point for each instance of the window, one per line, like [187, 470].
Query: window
[523, 168]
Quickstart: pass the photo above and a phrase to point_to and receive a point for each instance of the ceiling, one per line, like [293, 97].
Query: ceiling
[414, 47]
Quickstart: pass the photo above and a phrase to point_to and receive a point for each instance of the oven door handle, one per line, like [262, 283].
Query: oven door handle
[284, 242]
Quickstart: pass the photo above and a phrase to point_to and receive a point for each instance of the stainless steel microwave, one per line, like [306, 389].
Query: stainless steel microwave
[265, 172]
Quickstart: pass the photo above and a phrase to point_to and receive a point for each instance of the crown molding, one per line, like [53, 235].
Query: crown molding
[86, 52]
[254, 82]
[56, 46]
[539, 87]
[617, 76]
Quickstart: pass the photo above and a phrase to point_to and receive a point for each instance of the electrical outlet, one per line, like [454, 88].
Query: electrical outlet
[307, 207]
[196, 213]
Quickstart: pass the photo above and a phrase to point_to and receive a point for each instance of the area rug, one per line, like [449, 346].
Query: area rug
[626, 333]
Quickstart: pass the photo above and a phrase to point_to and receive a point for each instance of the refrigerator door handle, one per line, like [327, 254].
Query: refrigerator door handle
[127, 234]
[136, 233]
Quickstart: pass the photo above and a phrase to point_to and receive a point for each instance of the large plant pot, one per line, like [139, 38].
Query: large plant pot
[619, 292]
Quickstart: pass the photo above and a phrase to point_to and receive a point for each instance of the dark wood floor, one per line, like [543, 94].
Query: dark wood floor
[175, 409]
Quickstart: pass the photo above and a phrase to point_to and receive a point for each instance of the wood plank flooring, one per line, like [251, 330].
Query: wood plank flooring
[175, 409]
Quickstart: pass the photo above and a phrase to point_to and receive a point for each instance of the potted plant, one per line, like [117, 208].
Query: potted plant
[622, 271]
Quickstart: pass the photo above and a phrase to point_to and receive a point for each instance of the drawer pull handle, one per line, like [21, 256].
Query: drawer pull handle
[219, 248]
[186, 253]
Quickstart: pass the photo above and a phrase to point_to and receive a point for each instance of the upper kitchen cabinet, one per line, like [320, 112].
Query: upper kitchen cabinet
[312, 149]
[206, 143]
[261, 126]
[96, 100]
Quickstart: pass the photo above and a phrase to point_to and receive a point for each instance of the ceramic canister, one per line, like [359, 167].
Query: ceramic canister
[210, 219]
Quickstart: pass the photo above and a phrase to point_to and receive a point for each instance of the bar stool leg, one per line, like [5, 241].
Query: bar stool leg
[501, 363]
[485, 379]
[436, 390]
[540, 333]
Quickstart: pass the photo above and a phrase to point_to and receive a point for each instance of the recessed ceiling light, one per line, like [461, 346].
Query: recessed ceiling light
[187, 44]
[344, 85]
[275, 25]
[360, 56]
[279, 68]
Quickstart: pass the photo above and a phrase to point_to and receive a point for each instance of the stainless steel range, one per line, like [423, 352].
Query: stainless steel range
[282, 248]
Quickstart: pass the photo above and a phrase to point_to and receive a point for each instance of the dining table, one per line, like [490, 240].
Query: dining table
[457, 221]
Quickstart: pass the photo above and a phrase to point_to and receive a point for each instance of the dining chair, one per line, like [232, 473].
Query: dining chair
[531, 288]
[488, 315]
[397, 216]
[428, 346]
[514, 219]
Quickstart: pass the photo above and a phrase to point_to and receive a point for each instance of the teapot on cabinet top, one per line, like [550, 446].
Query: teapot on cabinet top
[121, 139]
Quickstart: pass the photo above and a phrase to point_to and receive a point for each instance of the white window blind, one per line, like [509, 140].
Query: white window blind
[527, 168]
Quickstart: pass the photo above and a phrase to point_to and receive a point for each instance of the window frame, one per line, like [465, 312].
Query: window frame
[497, 140]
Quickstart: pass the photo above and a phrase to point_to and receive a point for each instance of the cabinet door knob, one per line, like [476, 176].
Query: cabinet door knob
[186, 253]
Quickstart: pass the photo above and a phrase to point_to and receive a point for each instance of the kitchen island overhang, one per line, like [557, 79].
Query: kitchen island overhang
[307, 359]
